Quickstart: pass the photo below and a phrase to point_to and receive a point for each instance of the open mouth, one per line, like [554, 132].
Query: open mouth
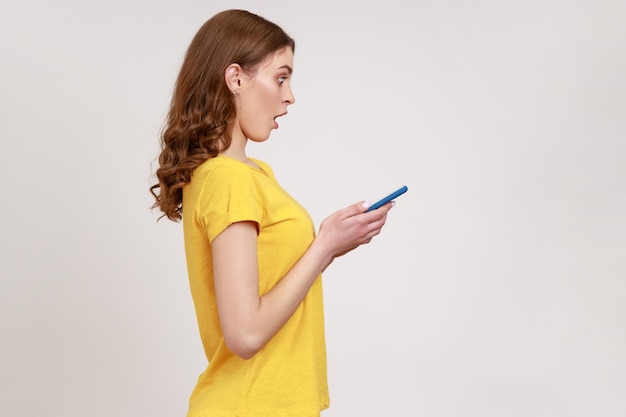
[275, 122]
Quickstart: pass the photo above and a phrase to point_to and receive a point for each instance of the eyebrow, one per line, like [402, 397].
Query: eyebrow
[288, 68]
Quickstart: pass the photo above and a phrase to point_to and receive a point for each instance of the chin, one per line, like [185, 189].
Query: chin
[259, 137]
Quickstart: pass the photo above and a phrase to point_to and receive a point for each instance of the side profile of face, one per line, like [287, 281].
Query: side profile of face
[262, 96]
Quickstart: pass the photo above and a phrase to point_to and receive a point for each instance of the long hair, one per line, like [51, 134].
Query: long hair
[202, 107]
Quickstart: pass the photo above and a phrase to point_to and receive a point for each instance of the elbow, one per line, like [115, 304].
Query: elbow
[243, 344]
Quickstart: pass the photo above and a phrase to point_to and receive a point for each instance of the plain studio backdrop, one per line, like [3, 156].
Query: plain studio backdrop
[497, 287]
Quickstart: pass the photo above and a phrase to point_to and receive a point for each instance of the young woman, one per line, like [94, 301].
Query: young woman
[254, 260]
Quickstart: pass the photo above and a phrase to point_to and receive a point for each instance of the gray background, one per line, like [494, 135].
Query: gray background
[497, 287]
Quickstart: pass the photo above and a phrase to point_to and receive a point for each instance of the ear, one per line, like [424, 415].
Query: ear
[232, 78]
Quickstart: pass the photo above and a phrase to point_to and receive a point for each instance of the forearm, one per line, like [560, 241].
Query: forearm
[248, 320]
[278, 305]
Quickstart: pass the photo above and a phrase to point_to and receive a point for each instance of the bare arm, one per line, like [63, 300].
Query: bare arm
[249, 321]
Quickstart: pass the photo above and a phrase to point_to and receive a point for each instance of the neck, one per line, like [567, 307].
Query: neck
[237, 148]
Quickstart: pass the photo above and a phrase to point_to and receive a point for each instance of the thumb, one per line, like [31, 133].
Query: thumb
[352, 210]
[357, 208]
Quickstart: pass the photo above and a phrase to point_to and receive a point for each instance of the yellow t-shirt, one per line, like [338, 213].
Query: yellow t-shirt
[287, 377]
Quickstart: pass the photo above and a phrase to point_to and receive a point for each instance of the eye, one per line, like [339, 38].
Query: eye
[281, 80]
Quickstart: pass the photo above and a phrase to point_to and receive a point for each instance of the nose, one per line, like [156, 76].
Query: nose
[289, 97]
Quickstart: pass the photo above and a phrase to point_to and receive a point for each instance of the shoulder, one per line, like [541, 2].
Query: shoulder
[220, 169]
[217, 164]
[265, 167]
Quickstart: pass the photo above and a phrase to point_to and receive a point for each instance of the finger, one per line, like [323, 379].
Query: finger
[354, 209]
[379, 213]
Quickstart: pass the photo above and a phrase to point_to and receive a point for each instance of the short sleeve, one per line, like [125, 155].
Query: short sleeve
[230, 194]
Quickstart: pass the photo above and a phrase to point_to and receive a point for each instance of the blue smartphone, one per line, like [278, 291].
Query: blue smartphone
[387, 199]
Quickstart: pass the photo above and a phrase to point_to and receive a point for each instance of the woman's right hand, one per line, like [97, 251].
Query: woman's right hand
[351, 227]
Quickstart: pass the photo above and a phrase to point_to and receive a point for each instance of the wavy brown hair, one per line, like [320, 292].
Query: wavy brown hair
[202, 107]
